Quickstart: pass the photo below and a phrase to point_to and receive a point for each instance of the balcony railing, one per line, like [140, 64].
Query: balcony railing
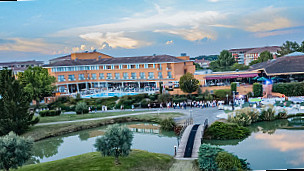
[72, 79]
[61, 80]
[80, 79]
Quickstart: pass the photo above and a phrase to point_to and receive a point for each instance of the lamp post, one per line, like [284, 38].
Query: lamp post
[227, 99]
[233, 100]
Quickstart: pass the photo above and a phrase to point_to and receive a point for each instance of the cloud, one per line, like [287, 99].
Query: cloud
[191, 34]
[274, 33]
[266, 19]
[190, 25]
[28, 45]
[169, 42]
[213, 0]
[113, 40]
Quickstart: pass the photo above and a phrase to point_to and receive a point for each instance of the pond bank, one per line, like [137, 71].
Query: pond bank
[47, 131]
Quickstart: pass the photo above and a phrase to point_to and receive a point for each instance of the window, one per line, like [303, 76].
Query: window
[133, 66]
[117, 76]
[94, 76]
[61, 89]
[125, 67]
[160, 75]
[116, 67]
[89, 77]
[109, 75]
[169, 75]
[125, 75]
[71, 77]
[81, 77]
[108, 66]
[150, 65]
[146, 66]
[142, 75]
[141, 65]
[151, 75]
[101, 76]
[61, 78]
[133, 75]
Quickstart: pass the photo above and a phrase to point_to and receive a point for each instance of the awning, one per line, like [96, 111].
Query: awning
[218, 77]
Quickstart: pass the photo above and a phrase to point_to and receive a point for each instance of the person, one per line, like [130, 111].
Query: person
[121, 107]
[95, 109]
[149, 106]
[174, 105]
[132, 107]
[89, 109]
[161, 105]
[177, 105]
[185, 105]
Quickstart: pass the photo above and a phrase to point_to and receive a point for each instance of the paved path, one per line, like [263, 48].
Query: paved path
[199, 115]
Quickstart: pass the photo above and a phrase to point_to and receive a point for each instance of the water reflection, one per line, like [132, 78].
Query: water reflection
[270, 146]
[147, 136]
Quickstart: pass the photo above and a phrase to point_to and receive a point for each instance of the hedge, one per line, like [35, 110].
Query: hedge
[49, 113]
[257, 90]
[222, 93]
[233, 87]
[289, 89]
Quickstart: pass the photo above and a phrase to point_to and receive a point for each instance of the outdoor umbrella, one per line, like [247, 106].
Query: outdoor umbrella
[262, 79]
[255, 78]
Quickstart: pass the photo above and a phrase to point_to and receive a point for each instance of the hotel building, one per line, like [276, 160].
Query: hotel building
[94, 71]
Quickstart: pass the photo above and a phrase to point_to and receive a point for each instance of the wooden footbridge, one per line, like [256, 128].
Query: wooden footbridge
[191, 140]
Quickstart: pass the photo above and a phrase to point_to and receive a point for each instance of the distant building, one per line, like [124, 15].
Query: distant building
[202, 62]
[247, 55]
[94, 71]
[20, 66]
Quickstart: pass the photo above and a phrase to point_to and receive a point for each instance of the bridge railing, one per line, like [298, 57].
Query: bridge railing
[186, 123]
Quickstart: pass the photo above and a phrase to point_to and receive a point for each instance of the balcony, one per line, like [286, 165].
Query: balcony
[72, 79]
[117, 78]
[133, 78]
[125, 78]
[80, 79]
[169, 77]
[143, 77]
[169, 68]
[61, 80]
[109, 78]
[101, 78]
[151, 77]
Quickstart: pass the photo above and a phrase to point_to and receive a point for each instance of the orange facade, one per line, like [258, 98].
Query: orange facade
[122, 75]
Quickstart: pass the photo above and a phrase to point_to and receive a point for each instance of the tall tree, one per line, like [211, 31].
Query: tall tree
[14, 151]
[264, 56]
[288, 47]
[14, 105]
[116, 142]
[188, 83]
[224, 62]
[37, 83]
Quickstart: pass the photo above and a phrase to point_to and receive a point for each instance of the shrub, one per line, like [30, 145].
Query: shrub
[225, 131]
[81, 108]
[233, 87]
[257, 89]
[267, 114]
[165, 97]
[226, 161]
[222, 93]
[168, 124]
[14, 151]
[207, 157]
[289, 89]
[49, 113]
[116, 142]
[282, 114]
[245, 116]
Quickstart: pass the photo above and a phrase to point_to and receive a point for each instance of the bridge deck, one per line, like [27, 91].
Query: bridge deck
[183, 142]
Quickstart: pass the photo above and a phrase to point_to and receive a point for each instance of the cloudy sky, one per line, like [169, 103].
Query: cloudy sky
[43, 29]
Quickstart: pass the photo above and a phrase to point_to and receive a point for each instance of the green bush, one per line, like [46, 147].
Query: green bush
[222, 93]
[81, 108]
[226, 131]
[168, 124]
[233, 87]
[144, 103]
[289, 89]
[207, 157]
[282, 114]
[245, 116]
[226, 161]
[49, 113]
[267, 114]
[257, 90]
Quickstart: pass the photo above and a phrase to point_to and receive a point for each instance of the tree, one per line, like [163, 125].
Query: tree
[14, 151]
[289, 47]
[188, 83]
[81, 108]
[116, 142]
[223, 63]
[37, 83]
[14, 105]
[165, 97]
[197, 66]
[237, 66]
[264, 56]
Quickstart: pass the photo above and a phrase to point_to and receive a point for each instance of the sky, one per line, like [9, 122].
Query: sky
[44, 29]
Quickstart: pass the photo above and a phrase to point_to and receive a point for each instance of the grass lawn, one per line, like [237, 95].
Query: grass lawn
[45, 131]
[137, 160]
[71, 117]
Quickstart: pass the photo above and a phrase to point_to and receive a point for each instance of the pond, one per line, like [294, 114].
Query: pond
[147, 136]
[272, 145]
